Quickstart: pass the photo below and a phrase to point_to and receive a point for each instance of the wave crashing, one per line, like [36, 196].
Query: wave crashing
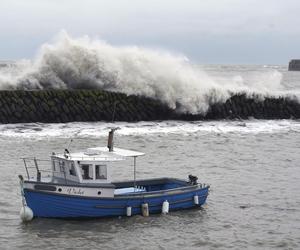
[85, 63]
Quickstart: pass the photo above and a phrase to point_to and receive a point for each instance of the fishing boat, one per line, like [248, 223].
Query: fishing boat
[79, 186]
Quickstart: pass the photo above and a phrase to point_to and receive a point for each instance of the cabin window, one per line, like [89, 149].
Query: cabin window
[53, 164]
[62, 166]
[56, 165]
[72, 169]
[101, 172]
[86, 171]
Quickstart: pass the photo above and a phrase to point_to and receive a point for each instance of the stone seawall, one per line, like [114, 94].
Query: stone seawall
[51, 106]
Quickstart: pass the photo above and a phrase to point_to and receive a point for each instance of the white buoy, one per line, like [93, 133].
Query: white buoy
[165, 207]
[196, 200]
[145, 209]
[128, 211]
[26, 214]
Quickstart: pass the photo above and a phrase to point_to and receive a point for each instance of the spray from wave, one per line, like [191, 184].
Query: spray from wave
[70, 63]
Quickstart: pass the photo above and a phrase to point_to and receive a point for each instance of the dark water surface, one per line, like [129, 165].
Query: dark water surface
[252, 167]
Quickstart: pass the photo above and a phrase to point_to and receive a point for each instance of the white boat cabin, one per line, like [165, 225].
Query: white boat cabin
[90, 167]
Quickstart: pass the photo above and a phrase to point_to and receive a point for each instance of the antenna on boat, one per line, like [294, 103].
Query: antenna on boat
[110, 141]
[67, 152]
[70, 143]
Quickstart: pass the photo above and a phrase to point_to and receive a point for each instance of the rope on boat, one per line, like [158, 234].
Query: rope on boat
[26, 213]
[21, 182]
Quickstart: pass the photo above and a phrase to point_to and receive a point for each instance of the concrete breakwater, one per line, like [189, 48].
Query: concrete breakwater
[52, 106]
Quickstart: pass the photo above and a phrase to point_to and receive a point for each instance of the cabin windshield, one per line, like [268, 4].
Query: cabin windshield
[93, 172]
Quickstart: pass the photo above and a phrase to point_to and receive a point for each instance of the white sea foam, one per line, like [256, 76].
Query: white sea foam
[90, 63]
[100, 129]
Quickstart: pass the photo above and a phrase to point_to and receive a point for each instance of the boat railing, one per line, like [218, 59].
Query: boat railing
[39, 167]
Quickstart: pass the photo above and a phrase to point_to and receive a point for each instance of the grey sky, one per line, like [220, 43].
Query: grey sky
[206, 31]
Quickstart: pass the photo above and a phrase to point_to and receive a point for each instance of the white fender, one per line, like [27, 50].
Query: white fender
[165, 207]
[145, 209]
[128, 211]
[26, 214]
[196, 200]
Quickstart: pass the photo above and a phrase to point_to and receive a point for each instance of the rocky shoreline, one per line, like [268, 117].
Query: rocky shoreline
[55, 106]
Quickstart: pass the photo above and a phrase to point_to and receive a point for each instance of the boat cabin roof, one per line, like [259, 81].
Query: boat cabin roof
[100, 154]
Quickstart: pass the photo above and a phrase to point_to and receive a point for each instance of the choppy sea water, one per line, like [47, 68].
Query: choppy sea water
[252, 167]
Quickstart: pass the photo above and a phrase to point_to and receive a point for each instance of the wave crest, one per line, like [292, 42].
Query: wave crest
[70, 63]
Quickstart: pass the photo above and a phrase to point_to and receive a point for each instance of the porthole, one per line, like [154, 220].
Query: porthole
[59, 190]
[99, 192]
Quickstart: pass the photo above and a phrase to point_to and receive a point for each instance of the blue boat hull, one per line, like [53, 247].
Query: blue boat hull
[45, 204]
